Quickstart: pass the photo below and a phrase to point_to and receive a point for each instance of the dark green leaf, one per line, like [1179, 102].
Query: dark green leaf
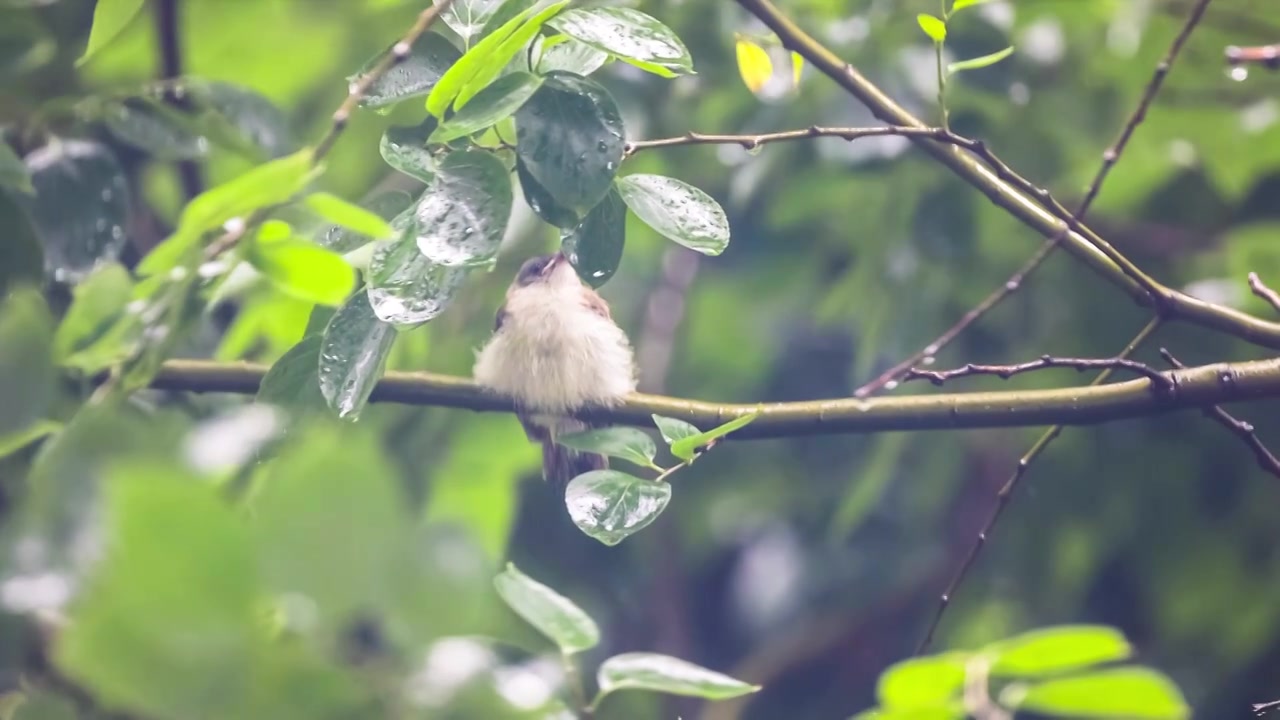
[353, 217]
[241, 118]
[564, 53]
[26, 43]
[594, 248]
[541, 202]
[80, 207]
[94, 312]
[922, 682]
[461, 218]
[13, 174]
[407, 289]
[1059, 649]
[110, 17]
[673, 429]
[627, 443]
[553, 614]
[161, 632]
[979, 62]
[570, 143]
[627, 34]
[353, 355]
[678, 211]
[1128, 693]
[148, 127]
[26, 361]
[666, 674]
[431, 56]
[404, 148]
[493, 65]
[610, 506]
[496, 102]
[43, 706]
[293, 382]
[385, 205]
[470, 64]
[40, 429]
[686, 447]
[305, 270]
[932, 26]
[21, 260]
[312, 486]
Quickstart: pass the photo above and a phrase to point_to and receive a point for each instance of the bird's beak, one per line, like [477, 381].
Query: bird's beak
[551, 265]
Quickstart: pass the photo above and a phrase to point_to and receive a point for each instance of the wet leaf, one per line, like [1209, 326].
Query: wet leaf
[82, 340]
[385, 205]
[429, 58]
[610, 506]
[491, 66]
[110, 17]
[628, 34]
[496, 102]
[407, 289]
[468, 17]
[672, 429]
[666, 674]
[304, 270]
[553, 614]
[150, 128]
[241, 118]
[476, 60]
[594, 248]
[293, 382]
[570, 144]
[80, 207]
[686, 447]
[40, 429]
[404, 148]
[627, 443]
[348, 215]
[26, 360]
[353, 356]
[562, 52]
[462, 217]
[677, 211]
[21, 259]
[13, 174]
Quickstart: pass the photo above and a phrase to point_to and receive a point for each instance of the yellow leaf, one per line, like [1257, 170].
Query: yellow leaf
[797, 64]
[754, 64]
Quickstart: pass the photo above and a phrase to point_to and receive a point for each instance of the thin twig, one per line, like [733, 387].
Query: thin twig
[1006, 491]
[1267, 56]
[1195, 388]
[1260, 289]
[751, 142]
[1241, 429]
[169, 42]
[939, 377]
[1109, 158]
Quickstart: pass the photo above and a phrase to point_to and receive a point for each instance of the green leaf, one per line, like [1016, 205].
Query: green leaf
[959, 5]
[84, 339]
[240, 118]
[385, 205]
[153, 129]
[27, 372]
[468, 17]
[610, 506]
[493, 66]
[922, 682]
[429, 59]
[594, 248]
[305, 270]
[979, 62]
[496, 102]
[13, 174]
[952, 711]
[553, 614]
[12, 443]
[1128, 693]
[686, 447]
[463, 215]
[932, 26]
[293, 382]
[348, 215]
[673, 429]
[80, 207]
[405, 288]
[161, 632]
[471, 64]
[353, 355]
[21, 258]
[666, 674]
[569, 147]
[630, 35]
[627, 443]
[562, 52]
[110, 17]
[1056, 650]
[678, 211]
[312, 485]
[43, 706]
[404, 148]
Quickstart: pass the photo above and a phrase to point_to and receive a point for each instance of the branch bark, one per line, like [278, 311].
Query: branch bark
[1191, 388]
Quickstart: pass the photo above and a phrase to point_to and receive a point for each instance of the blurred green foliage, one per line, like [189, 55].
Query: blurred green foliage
[220, 559]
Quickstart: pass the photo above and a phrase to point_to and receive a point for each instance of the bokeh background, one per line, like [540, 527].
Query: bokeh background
[808, 565]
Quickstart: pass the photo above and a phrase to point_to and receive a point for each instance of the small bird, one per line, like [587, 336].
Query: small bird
[555, 350]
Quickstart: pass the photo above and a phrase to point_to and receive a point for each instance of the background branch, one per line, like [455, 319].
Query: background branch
[169, 42]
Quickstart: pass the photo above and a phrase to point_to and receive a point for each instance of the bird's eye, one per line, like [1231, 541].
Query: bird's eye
[532, 269]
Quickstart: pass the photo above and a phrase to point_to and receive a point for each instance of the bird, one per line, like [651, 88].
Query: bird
[555, 350]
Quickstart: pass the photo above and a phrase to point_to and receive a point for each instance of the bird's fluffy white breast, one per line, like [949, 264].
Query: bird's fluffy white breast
[552, 353]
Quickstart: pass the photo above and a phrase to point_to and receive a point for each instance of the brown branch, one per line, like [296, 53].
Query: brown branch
[1006, 490]
[1261, 290]
[1044, 362]
[169, 42]
[1109, 158]
[1191, 388]
[1241, 429]
[751, 142]
[1267, 56]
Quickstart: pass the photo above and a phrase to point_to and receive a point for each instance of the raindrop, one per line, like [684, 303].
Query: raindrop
[755, 149]
[1238, 73]
[106, 195]
[610, 165]
[891, 385]
[598, 274]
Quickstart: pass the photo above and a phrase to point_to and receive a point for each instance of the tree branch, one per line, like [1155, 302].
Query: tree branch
[1197, 387]
[169, 42]
[1260, 289]
[1044, 362]
[1026, 207]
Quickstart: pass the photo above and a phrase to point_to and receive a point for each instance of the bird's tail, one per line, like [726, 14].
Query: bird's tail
[559, 463]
